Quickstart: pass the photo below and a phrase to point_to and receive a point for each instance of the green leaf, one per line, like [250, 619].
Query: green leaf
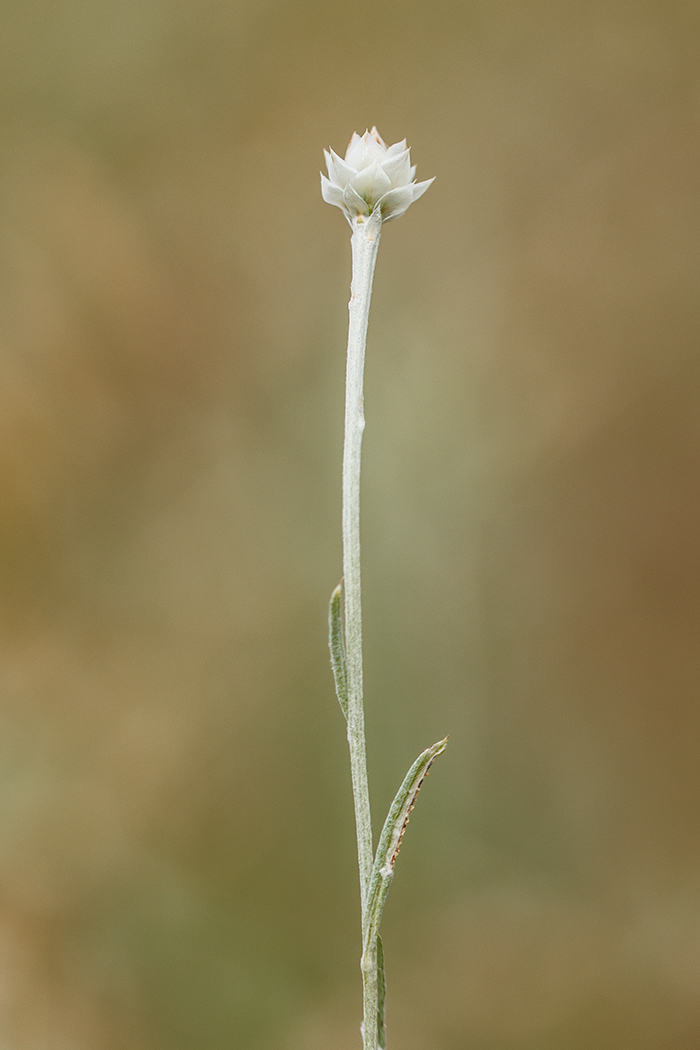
[381, 997]
[391, 836]
[336, 644]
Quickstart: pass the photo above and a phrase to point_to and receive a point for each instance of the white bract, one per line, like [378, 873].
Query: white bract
[372, 176]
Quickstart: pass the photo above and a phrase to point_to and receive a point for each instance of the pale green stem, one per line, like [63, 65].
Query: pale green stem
[365, 243]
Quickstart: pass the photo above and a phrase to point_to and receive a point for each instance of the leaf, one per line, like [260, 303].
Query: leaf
[391, 836]
[381, 997]
[336, 644]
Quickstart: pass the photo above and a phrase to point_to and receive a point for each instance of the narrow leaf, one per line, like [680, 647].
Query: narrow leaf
[391, 836]
[381, 997]
[336, 644]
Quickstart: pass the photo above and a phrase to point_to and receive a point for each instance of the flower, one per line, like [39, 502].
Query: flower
[373, 175]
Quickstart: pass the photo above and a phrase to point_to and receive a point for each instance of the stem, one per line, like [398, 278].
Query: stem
[365, 243]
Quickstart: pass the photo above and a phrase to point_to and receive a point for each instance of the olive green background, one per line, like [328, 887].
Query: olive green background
[177, 866]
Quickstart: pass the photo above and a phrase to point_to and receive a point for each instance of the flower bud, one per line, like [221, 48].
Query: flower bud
[372, 176]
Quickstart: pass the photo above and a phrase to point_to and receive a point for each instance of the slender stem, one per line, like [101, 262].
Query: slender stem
[370, 993]
[365, 243]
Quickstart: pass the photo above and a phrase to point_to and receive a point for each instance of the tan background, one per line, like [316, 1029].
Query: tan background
[177, 864]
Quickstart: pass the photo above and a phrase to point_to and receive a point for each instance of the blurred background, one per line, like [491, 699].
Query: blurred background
[177, 859]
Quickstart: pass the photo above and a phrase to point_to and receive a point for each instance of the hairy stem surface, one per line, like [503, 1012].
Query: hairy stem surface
[365, 244]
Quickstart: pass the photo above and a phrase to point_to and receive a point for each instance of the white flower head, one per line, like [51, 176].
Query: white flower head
[372, 176]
